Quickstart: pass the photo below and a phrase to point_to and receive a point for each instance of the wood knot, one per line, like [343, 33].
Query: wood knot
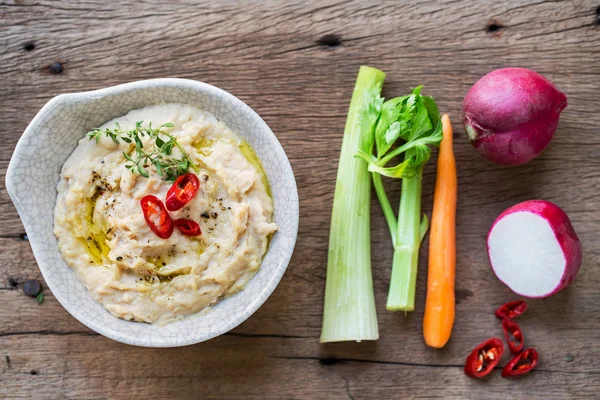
[462, 294]
[330, 40]
[29, 46]
[329, 361]
[494, 27]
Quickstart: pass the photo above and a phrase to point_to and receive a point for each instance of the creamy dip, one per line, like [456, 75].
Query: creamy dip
[103, 236]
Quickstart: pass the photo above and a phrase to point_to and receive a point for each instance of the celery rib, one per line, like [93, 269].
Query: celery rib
[401, 296]
[349, 311]
[388, 212]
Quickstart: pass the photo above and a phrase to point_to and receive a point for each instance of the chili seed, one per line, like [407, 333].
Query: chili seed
[491, 355]
[32, 287]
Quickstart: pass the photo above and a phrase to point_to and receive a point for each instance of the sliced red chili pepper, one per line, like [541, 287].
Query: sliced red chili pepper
[512, 330]
[521, 364]
[511, 309]
[188, 227]
[183, 190]
[156, 216]
[484, 358]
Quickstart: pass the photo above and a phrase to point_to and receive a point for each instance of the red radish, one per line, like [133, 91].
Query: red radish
[511, 114]
[533, 249]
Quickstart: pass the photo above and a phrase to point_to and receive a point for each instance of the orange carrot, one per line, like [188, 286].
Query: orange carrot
[439, 306]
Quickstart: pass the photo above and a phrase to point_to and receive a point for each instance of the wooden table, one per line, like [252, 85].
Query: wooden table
[295, 64]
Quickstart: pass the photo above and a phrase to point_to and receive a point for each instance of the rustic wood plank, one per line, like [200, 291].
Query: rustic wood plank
[71, 365]
[270, 55]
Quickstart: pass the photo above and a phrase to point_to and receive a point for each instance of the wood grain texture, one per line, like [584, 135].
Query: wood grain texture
[270, 55]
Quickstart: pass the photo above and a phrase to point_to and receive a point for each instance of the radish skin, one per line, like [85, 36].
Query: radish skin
[511, 114]
[533, 249]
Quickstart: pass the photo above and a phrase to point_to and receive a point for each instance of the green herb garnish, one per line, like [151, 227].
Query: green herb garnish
[40, 298]
[168, 166]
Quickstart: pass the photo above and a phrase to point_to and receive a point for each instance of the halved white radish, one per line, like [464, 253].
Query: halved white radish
[533, 249]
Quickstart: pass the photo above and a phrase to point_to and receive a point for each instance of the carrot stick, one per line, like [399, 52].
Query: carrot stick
[439, 306]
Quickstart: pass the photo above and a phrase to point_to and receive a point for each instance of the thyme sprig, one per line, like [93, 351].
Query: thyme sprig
[161, 156]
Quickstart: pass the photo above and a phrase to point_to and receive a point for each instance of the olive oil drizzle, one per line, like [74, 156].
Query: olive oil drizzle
[204, 147]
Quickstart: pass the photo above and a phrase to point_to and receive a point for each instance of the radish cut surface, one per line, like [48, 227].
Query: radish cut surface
[526, 254]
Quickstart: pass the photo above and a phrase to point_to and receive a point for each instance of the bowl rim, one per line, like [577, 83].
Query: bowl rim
[123, 89]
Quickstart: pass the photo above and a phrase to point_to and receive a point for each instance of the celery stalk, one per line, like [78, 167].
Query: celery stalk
[390, 217]
[407, 125]
[401, 296]
[349, 310]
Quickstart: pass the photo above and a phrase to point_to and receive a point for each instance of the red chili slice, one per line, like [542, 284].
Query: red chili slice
[484, 358]
[512, 330]
[511, 309]
[188, 227]
[521, 364]
[157, 217]
[183, 190]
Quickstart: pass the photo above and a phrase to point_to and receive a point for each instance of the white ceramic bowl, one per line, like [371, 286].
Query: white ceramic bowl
[51, 137]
